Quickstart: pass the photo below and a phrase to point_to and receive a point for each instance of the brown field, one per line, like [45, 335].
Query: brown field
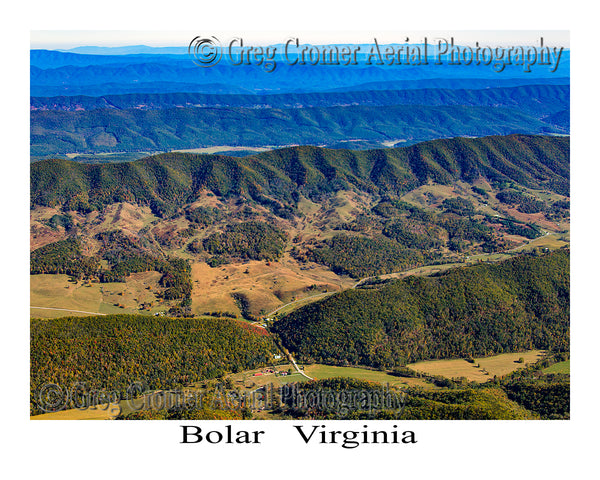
[287, 308]
[267, 285]
[225, 148]
[128, 218]
[320, 220]
[552, 241]
[41, 234]
[432, 195]
[56, 291]
[537, 218]
[488, 367]
[100, 412]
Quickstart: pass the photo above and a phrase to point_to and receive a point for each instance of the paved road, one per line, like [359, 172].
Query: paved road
[387, 275]
[299, 300]
[67, 310]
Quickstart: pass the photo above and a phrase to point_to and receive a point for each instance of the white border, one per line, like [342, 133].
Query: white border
[445, 449]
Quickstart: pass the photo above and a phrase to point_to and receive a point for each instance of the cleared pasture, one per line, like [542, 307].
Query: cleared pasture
[99, 412]
[266, 285]
[319, 371]
[58, 291]
[482, 370]
[560, 367]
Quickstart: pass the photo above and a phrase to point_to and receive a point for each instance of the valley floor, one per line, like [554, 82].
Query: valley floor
[276, 377]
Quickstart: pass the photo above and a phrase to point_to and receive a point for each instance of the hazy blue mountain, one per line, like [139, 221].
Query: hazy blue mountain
[535, 99]
[454, 83]
[55, 73]
[148, 88]
[49, 59]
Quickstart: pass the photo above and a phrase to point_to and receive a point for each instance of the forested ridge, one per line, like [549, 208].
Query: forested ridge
[531, 98]
[112, 352]
[515, 305]
[389, 403]
[133, 130]
[275, 178]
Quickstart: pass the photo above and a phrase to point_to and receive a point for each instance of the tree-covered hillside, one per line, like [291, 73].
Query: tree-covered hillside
[168, 181]
[132, 130]
[518, 304]
[112, 352]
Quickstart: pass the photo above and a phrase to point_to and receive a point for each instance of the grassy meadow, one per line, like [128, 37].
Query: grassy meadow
[482, 370]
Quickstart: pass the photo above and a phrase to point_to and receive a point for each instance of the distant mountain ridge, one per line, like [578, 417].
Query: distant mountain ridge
[542, 99]
[110, 130]
[54, 72]
[151, 87]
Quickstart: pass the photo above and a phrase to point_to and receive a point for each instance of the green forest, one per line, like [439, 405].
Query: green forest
[518, 304]
[64, 256]
[379, 402]
[275, 179]
[113, 351]
[134, 129]
[248, 240]
[362, 256]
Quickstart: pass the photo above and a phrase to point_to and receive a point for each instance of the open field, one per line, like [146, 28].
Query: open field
[294, 377]
[226, 148]
[266, 285]
[482, 370]
[248, 381]
[560, 367]
[122, 216]
[287, 308]
[100, 412]
[428, 270]
[319, 371]
[551, 240]
[56, 291]
[104, 157]
[432, 195]
[49, 312]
